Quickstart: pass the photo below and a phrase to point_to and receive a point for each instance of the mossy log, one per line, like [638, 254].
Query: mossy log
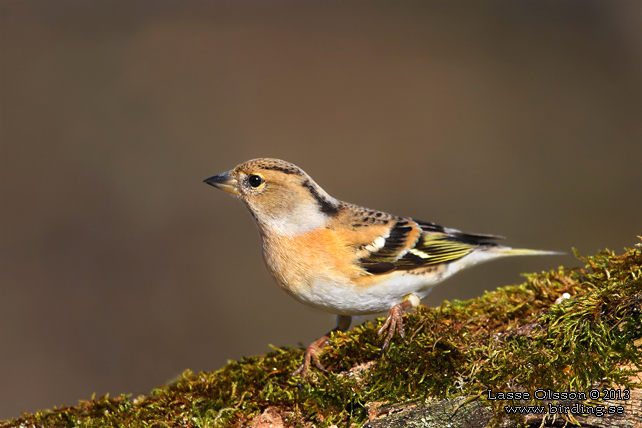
[563, 348]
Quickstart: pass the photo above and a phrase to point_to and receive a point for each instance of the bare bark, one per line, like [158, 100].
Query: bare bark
[459, 414]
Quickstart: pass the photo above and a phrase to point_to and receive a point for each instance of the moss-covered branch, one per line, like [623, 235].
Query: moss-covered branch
[515, 339]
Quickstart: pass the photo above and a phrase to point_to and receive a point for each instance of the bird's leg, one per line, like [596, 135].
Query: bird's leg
[395, 319]
[314, 349]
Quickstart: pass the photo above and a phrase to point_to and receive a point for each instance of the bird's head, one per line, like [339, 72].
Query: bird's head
[281, 197]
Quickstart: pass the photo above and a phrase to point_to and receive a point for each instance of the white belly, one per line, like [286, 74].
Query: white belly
[346, 299]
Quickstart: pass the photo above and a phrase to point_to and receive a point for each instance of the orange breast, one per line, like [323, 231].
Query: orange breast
[296, 262]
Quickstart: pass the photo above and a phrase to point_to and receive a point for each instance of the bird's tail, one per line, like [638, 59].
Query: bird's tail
[491, 252]
[508, 251]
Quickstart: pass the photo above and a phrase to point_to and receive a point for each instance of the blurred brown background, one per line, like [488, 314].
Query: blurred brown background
[119, 269]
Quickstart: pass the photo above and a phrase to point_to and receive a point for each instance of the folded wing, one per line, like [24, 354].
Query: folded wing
[413, 244]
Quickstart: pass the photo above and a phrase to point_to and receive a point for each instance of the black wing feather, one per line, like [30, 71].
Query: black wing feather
[436, 245]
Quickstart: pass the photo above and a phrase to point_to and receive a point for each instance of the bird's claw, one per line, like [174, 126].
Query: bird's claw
[311, 355]
[393, 323]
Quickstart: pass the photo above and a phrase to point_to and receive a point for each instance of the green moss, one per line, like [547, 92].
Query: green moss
[514, 337]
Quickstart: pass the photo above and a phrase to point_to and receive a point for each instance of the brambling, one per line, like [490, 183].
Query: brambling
[346, 259]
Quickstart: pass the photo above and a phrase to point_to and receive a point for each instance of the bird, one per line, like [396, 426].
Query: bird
[346, 259]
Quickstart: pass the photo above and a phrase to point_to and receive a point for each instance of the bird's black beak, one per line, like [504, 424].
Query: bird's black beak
[225, 182]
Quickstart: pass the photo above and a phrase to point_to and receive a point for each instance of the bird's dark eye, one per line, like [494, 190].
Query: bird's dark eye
[255, 180]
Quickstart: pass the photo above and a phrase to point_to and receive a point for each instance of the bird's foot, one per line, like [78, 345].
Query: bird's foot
[394, 322]
[312, 355]
[312, 352]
